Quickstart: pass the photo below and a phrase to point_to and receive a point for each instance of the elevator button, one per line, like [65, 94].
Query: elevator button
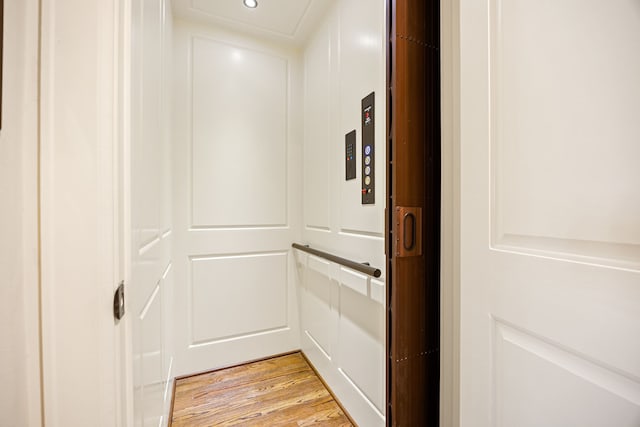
[367, 180]
[367, 170]
[367, 160]
[367, 150]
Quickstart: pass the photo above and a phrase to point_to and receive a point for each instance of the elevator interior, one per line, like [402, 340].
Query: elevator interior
[247, 136]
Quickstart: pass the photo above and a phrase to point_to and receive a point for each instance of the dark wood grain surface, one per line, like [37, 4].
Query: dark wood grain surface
[413, 282]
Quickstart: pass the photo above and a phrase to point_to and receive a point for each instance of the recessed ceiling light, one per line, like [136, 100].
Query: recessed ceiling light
[251, 3]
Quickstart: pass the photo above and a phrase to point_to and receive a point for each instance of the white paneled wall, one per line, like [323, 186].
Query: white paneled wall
[151, 287]
[237, 151]
[343, 311]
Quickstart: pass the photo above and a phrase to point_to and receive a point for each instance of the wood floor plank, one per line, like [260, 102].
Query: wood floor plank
[268, 392]
[282, 391]
[238, 375]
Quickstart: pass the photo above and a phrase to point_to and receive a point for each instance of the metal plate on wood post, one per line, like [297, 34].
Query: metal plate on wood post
[409, 225]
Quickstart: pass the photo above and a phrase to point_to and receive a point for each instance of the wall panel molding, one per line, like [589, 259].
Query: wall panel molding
[239, 136]
[236, 186]
[527, 363]
[558, 190]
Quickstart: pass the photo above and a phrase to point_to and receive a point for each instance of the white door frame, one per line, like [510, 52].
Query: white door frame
[125, 351]
[82, 66]
[19, 236]
[450, 215]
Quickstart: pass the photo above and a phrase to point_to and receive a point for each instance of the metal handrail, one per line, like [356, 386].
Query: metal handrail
[362, 267]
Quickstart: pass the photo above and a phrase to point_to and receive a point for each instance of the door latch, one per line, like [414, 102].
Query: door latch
[118, 302]
[408, 241]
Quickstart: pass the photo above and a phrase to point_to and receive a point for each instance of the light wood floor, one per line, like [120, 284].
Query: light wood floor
[283, 391]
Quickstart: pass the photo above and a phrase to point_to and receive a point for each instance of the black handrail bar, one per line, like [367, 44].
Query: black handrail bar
[361, 267]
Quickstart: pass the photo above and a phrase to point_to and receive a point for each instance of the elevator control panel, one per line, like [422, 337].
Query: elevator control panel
[350, 154]
[368, 150]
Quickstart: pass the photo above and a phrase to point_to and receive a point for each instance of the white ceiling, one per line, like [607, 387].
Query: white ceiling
[288, 21]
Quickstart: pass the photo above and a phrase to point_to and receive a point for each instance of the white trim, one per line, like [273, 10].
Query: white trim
[79, 211]
[450, 217]
[124, 349]
[19, 233]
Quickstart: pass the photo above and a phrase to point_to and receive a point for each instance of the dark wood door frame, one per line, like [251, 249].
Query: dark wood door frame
[413, 213]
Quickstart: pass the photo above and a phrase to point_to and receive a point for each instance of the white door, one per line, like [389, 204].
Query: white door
[550, 213]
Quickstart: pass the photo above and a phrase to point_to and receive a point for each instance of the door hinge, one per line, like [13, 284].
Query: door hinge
[118, 302]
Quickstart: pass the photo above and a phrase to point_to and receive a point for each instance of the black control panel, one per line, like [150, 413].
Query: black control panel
[368, 150]
[350, 154]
